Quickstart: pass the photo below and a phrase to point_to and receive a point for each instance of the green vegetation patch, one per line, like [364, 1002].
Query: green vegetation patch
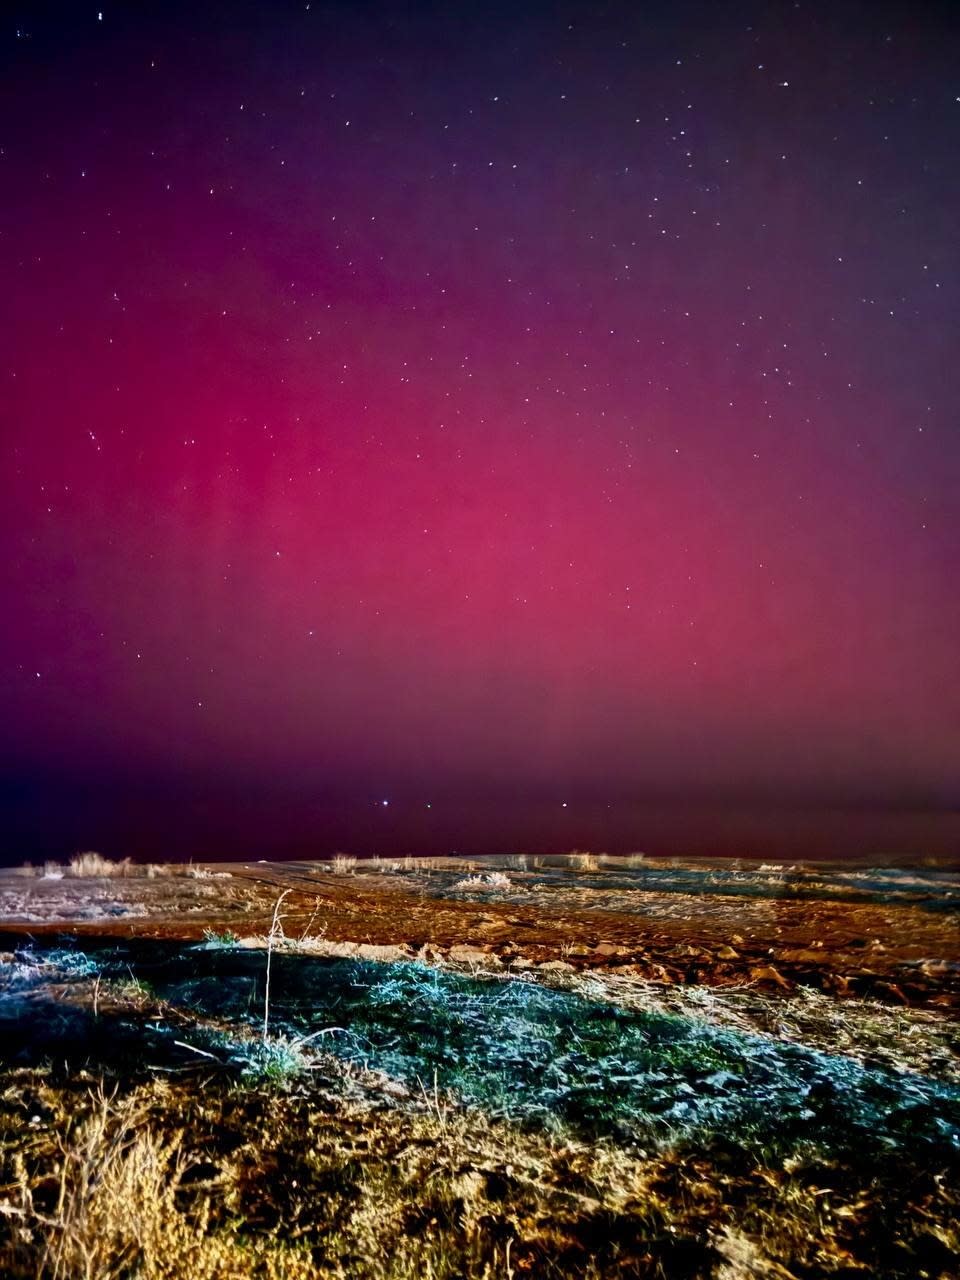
[147, 1129]
[530, 1054]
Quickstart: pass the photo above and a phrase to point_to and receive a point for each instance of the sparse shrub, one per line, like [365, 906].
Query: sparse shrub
[342, 865]
[385, 866]
[95, 865]
[483, 884]
[584, 861]
[119, 1183]
[52, 871]
[277, 1058]
[214, 939]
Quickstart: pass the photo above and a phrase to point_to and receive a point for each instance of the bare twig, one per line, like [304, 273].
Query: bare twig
[182, 1044]
[316, 912]
[276, 930]
[434, 1105]
[324, 1031]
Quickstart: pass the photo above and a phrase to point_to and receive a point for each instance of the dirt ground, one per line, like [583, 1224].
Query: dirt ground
[892, 935]
[577, 1066]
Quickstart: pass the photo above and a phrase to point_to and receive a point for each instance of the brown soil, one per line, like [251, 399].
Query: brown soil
[898, 952]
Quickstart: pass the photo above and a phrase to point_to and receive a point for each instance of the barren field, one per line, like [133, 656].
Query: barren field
[578, 1066]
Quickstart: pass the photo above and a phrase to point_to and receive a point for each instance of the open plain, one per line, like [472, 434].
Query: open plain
[553, 1066]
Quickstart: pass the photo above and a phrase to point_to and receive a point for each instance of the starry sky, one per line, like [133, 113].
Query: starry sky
[479, 426]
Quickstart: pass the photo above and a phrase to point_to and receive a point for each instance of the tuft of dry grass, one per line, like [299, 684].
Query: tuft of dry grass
[517, 862]
[116, 1198]
[109, 1204]
[343, 865]
[91, 865]
[482, 884]
[413, 865]
[582, 861]
[95, 865]
[384, 866]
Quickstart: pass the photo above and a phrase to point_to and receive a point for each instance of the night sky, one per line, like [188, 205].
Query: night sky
[479, 427]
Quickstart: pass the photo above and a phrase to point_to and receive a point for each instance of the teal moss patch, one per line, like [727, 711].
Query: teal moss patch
[551, 1058]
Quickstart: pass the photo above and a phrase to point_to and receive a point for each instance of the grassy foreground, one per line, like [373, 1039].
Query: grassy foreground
[403, 1120]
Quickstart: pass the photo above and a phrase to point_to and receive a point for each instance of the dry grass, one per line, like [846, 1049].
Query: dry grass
[867, 1031]
[411, 865]
[116, 1199]
[94, 866]
[109, 1205]
[211, 1152]
[343, 865]
[427, 1191]
[278, 1161]
[91, 865]
[180, 1179]
[517, 862]
[387, 866]
[488, 883]
[582, 861]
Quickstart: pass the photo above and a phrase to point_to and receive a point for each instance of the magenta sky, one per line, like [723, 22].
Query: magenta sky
[494, 409]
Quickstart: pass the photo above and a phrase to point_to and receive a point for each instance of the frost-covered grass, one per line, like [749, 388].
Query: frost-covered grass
[483, 883]
[411, 1120]
[534, 1055]
[529, 1053]
[553, 1058]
